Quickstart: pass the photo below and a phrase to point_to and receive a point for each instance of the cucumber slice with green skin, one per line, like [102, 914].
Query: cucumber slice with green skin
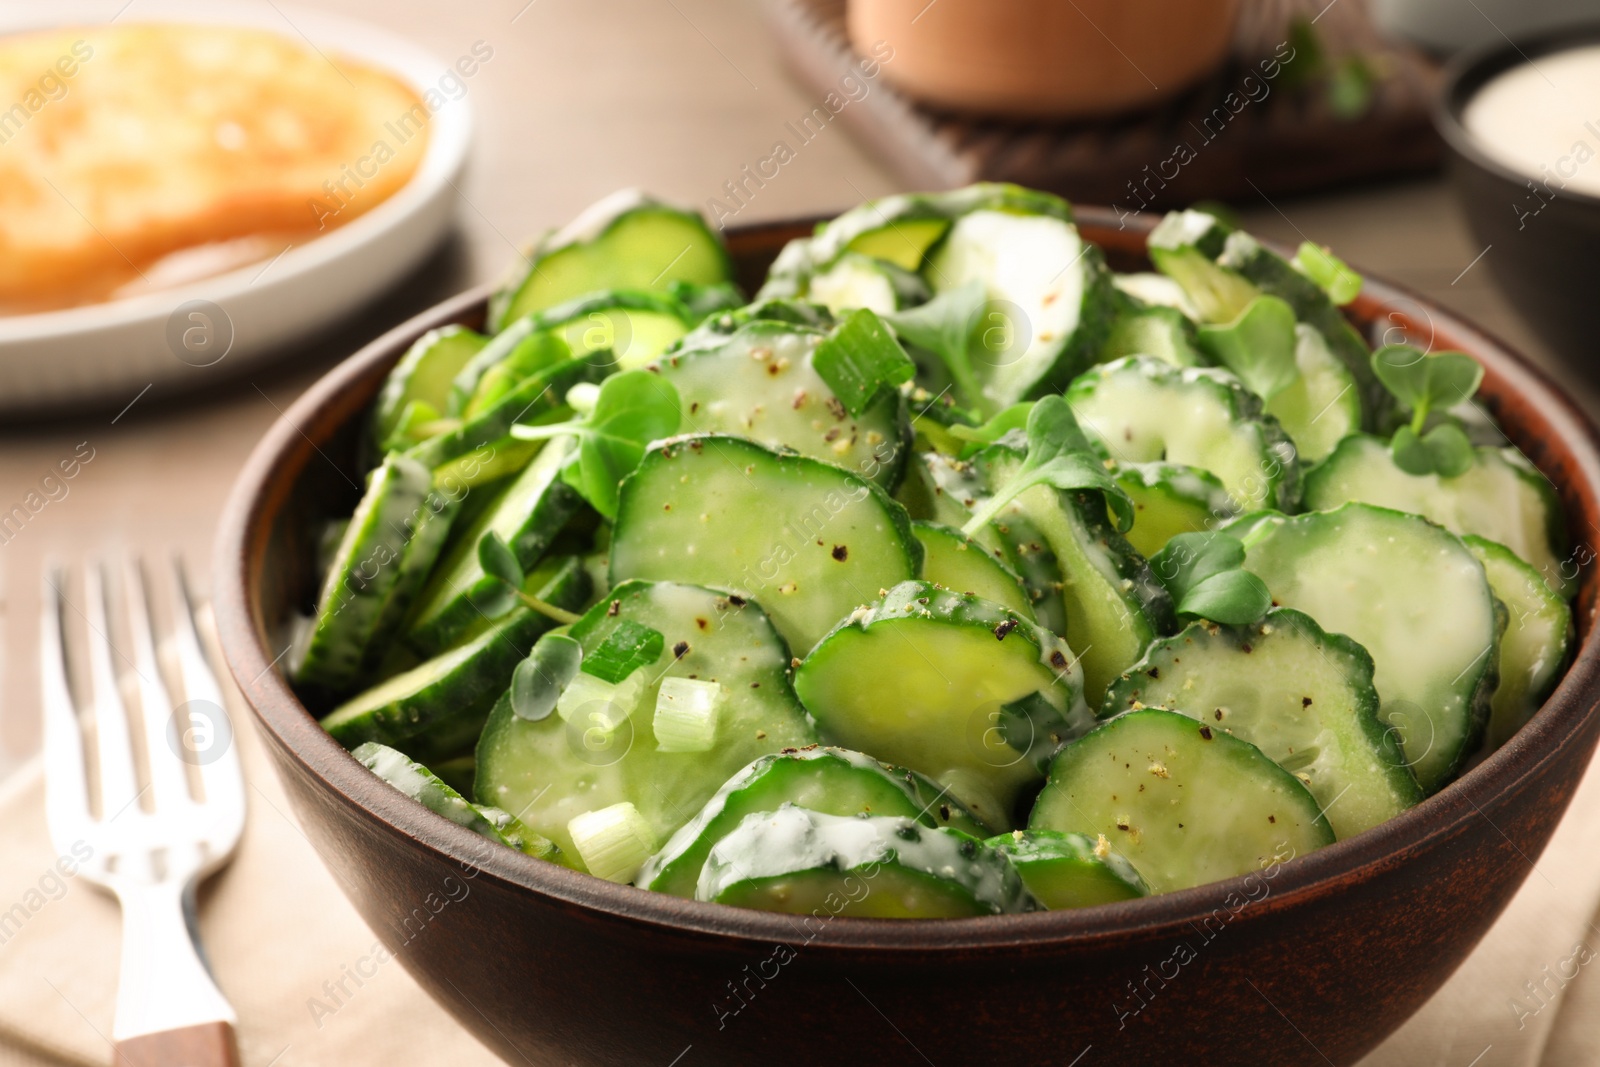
[433, 793]
[1304, 697]
[833, 781]
[713, 332]
[955, 561]
[808, 540]
[546, 772]
[851, 281]
[540, 398]
[884, 867]
[976, 696]
[1501, 498]
[1533, 648]
[1050, 286]
[1222, 270]
[903, 229]
[1141, 409]
[634, 326]
[1069, 870]
[527, 516]
[625, 241]
[1322, 406]
[1155, 290]
[1416, 598]
[430, 531]
[468, 676]
[760, 383]
[1163, 332]
[1113, 604]
[1170, 499]
[1186, 803]
[422, 377]
[1276, 276]
[365, 570]
[952, 489]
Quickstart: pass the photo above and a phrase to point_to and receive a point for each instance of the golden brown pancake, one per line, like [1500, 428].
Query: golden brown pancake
[120, 145]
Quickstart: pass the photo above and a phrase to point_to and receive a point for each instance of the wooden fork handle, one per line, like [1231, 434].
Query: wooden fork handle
[202, 1045]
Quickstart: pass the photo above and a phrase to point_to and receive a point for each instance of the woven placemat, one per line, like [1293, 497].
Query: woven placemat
[1289, 140]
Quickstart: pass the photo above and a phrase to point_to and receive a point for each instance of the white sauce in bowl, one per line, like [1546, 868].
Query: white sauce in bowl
[1542, 119]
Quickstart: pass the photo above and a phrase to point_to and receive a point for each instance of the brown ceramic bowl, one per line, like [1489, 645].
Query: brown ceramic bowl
[549, 966]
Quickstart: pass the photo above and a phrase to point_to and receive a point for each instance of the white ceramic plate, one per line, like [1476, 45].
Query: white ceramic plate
[107, 350]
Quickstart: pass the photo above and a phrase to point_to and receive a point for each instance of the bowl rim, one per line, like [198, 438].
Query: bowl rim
[1467, 73]
[1304, 879]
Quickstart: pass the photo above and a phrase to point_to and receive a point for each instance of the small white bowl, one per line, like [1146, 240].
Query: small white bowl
[100, 352]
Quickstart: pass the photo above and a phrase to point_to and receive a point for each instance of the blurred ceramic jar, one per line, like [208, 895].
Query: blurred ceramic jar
[1045, 59]
[1451, 25]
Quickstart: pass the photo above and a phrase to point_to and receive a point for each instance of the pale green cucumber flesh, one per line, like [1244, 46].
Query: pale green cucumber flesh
[1322, 406]
[1170, 499]
[1185, 803]
[1533, 648]
[423, 375]
[809, 541]
[548, 771]
[1415, 598]
[1070, 870]
[924, 678]
[955, 561]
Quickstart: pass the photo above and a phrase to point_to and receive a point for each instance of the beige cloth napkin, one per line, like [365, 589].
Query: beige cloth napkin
[277, 928]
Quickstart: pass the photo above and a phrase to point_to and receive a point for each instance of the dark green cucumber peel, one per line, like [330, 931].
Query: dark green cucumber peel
[1070, 870]
[1536, 641]
[528, 516]
[793, 860]
[1303, 696]
[833, 781]
[470, 675]
[433, 793]
[1185, 803]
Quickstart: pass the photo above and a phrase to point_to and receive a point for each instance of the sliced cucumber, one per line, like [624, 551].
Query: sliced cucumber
[1184, 802]
[973, 695]
[365, 570]
[955, 561]
[857, 281]
[833, 781]
[433, 793]
[1501, 498]
[1170, 499]
[430, 531]
[809, 540]
[903, 229]
[418, 389]
[760, 383]
[1069, 870]
[547, 772]
[1141, 409]
[881, 867]
[469, 676]
[1113, 604]
[527, 516]
[1155, 290]
[624, 241]
[952, 489]
[1416, 598]
[1184, 247]
[539, 398]
[1533, 648]
[1322, 406]
[1050, 286]
[1163, 332]
[1302, 696]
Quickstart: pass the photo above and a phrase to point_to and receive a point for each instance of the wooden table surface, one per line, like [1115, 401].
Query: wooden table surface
[579, 97]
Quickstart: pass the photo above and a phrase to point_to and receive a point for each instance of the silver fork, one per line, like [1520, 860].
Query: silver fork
[169, 1010]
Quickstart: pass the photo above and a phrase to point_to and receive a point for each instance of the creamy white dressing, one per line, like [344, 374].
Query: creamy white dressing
[1542, 119]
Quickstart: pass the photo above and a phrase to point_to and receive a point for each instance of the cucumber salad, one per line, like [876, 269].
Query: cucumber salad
[954, 574]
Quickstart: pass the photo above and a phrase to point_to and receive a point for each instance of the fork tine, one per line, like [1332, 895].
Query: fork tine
[66, 789]
[168, 781]
[220, 771]
[118, 787]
